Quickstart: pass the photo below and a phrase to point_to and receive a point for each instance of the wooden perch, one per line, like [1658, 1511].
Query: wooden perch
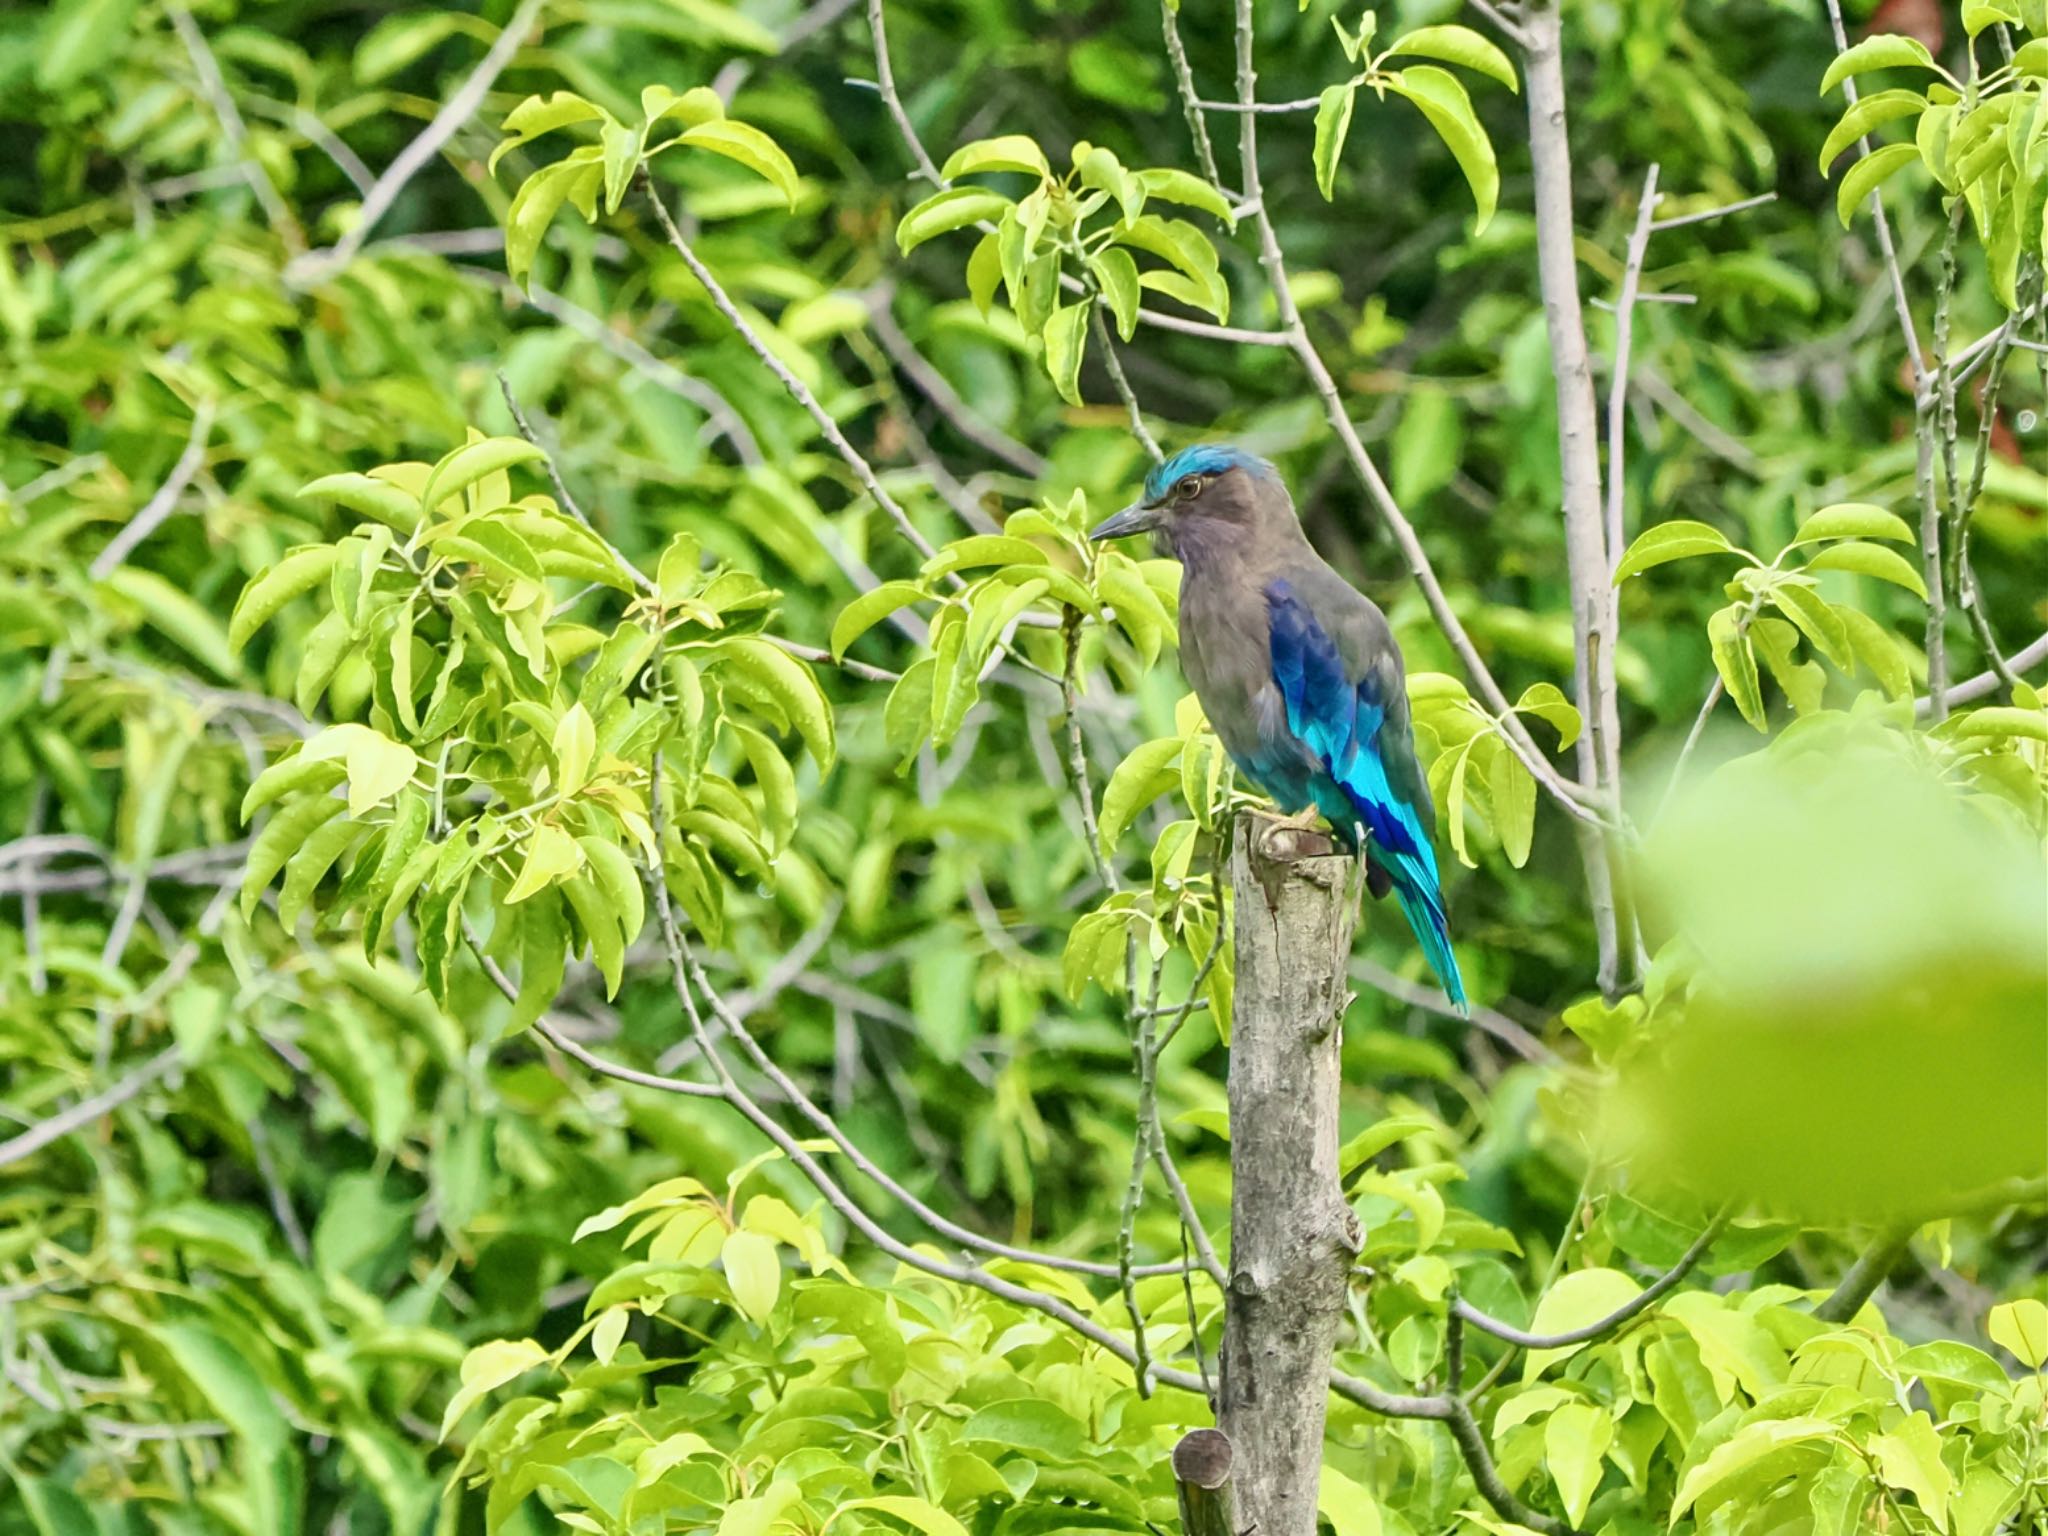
[1201, 1466]
[1293, 1238]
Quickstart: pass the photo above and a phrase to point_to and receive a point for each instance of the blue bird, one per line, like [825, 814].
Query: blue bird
[1298, 673]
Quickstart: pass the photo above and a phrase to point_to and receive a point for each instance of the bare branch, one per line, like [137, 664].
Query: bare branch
[798, 390]
[1865, 1275]
[1295, 336]
[1115, 366]
[1489, 1020]
[1184, 81]
[1973, 688]
[314, 266]
[165, 501]
[885, 80]
[1635, 1306]
[935, 387]
[1589, 560]
[1617, 384]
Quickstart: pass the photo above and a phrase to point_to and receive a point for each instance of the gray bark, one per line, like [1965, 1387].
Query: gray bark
[1293, 1238]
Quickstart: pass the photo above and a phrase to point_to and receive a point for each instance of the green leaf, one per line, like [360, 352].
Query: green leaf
[538, 115]
[1881, 50]
[309, 865]
[926, 1517]
[1853, 520]
[1066, 339]
[1676, 540]
[1139, 779]
[1750, 1460]
[985, 273]
[534, 206]
[1138, 609]
[983, 549]
[1868, 113]
[1376, 1138]
[2021, 1328]
[1116, 274]
[1546, 701]
[1736, 663]
[943, 212]
[2002, 722]
[485, 1369]
[794, 688]
[377, 766]
[869, 609]
[1868, 174]
[1777, 643]
[1189, 190]
[1333, 124]
[78, 38]
[1909, 1457]
[1872, 560]
[1880, 651]
[750, 147]
[173, 613]
[1513, 791]
[551, 855]
[575, 744]
[1350, 1507]
[1443, 101]
[1575, 1440]
[458, 471]
[1979, 14]
[379, 499]
[1951, 1361]
[753, 1272]
[227, 1378]
[1010, 152]
[1815, 618]
[310, 775]
[1428, 444]
[1457, 45]
[1031, 1426]
[280, 838]
[621, 159]
[601, 925]
[1578, 1299]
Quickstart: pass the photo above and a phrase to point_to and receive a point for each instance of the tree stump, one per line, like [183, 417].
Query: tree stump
[1293, 1238]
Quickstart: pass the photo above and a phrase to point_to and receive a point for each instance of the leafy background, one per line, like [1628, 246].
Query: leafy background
[278, 1218]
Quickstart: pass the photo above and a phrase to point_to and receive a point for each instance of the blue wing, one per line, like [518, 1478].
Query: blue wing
[1339, 720]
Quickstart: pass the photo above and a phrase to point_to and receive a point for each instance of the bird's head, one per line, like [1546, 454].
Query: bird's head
[1210, 493]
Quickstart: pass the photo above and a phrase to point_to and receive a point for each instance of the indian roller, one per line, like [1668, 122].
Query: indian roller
[1298, 673]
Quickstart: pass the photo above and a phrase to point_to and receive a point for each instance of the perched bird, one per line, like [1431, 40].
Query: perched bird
[1297, 671]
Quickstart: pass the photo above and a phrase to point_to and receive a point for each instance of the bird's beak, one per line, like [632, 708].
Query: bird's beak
[1136, 518]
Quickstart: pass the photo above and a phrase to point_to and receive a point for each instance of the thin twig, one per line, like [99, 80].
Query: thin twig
[1900, 305]
[935, 387]
[639, 577]
[1970, 689]
[1617, 384]
[314, 266]
[165, 501]
[85, 1111]
[1680, 220]
[885, 79]
[1191, 105]
[798, 390]
[215, 89]
[720, 418]
[1122, 385]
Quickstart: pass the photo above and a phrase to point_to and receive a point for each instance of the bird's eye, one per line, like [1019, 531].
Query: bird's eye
[1187, 487]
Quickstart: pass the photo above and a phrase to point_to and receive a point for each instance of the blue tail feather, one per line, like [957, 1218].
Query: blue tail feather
[1422, 905]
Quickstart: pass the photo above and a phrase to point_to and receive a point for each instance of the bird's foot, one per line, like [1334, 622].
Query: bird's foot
[1286, 838]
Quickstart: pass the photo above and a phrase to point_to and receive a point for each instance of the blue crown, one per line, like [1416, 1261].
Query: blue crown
[1202, 459]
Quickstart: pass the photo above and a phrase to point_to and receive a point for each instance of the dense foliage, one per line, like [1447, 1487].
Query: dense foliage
[587, 848]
